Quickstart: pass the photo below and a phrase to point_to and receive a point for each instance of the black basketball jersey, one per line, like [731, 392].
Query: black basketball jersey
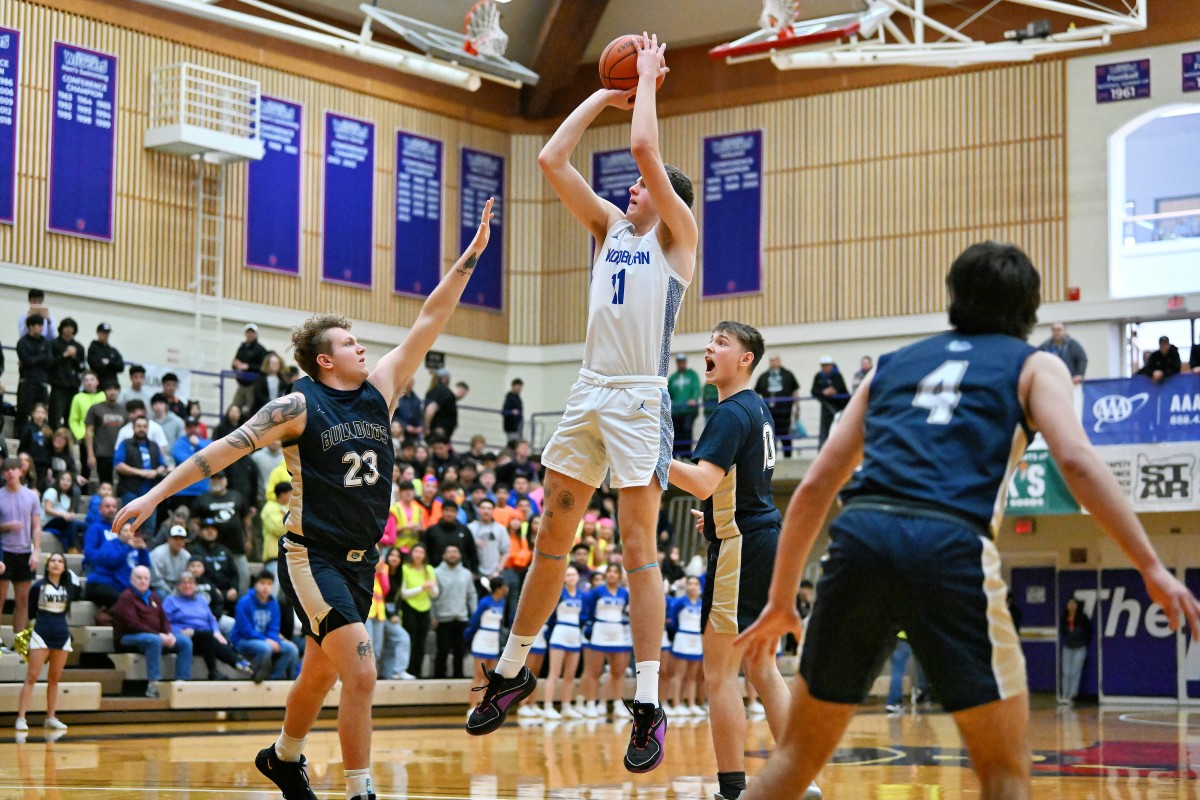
[944, 425]
[341, 468]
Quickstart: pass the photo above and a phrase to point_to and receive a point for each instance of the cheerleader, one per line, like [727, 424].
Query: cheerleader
[606, 626]
[566, 641]
[49, 602]
[686, 648]
[483, 631]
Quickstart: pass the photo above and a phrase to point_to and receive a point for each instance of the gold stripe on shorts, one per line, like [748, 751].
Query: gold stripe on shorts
[727, 583]
[312, 602]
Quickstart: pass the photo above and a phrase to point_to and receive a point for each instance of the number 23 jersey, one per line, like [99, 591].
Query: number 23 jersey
[944, 425]
[341, 467]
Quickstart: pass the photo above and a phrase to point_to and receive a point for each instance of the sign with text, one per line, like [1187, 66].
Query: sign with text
[732, 214]
[10, 83]
[482, 176]
[348, 242]
[1137, 410]
[1191, 72]
[273, 189]
[418, 250]
[613, 172]
[1037, 487]
[1127, 80]
[82, 142]
[1135, 634]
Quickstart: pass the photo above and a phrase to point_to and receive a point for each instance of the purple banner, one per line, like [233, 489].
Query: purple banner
[83, 142]
[348, 241]
[1136, 636]
[613, 172]
[1127, 80]
[482, 176]
[1191, 72]
[418, 259]
[273, 190]
[732, 260]
[10, 63]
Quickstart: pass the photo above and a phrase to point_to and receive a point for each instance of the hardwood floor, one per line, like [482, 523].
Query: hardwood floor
[1088, 754]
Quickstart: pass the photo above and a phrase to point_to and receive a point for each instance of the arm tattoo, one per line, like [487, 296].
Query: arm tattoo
[469, 265]
[364, 650]
[277, 412]
[202, 464]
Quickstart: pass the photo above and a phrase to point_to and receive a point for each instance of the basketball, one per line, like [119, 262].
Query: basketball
[618, 63]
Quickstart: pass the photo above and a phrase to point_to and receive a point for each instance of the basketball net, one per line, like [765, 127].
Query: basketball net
[482, 27]
[779, 15]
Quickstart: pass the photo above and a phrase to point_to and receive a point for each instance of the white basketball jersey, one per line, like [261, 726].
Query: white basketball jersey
[633, 303]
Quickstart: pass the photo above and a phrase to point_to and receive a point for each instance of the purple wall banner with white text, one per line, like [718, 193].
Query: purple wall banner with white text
[418, 249]
[10, 83]
[348, 241]
[82, 142]
[482, 176]
[273, 189]
[732, 215]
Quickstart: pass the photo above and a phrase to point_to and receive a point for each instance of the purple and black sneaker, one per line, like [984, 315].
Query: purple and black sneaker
[646, 741]
[499, 696]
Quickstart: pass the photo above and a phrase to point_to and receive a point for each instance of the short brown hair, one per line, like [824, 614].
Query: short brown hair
[748, 337]
[309, 340]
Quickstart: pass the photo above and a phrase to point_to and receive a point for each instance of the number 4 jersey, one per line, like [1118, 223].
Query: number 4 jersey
[341, 468]
[632, 305]
[945, 426]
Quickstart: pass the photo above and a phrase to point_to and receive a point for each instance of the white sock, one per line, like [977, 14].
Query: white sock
[516, 650]
[647, 682]
[358, 783]
[289, 748]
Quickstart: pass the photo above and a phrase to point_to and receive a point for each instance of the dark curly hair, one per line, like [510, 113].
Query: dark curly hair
[994, 288]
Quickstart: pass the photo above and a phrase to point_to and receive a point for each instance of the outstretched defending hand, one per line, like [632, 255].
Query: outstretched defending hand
[764, 635]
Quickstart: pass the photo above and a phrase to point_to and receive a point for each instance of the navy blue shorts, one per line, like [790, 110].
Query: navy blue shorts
[892, 568]
[327, 590]
[738, 580]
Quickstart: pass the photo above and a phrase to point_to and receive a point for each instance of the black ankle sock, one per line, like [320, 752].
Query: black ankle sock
[732, 784]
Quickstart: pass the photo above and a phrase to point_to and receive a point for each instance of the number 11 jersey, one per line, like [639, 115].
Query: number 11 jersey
[945, 426]
[341, 467]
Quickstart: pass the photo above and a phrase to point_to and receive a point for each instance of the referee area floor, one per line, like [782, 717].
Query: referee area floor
[1147, 753]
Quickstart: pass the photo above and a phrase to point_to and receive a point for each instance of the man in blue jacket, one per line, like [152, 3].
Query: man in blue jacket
[112, 565]
[255, 633]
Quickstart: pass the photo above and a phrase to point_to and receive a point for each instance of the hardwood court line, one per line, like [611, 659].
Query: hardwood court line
[190, 790]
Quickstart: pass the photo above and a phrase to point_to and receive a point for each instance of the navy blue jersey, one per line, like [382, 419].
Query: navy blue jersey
[739, 437]
[341, 468]
[944, 425]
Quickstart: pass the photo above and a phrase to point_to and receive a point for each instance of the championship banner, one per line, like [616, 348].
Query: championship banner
[273, 190]
[732, 255]
[1037, 487]
[348, 241]
[1127, 80]
[482, 176]
[82, 142]
[10, 64]
[1135, 633]
[613, 172]
[418, 250]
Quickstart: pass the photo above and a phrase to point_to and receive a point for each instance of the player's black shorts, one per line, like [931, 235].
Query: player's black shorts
[16, 568]
[890, 568]
[738, 581]
[328, 590]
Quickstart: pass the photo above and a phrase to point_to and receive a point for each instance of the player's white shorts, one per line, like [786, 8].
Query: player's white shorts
[622, 424]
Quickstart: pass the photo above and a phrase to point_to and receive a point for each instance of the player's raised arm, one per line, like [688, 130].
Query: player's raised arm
[279, 420]
[1046, 390]
[593, 212]
[675, 214]
[391, 374]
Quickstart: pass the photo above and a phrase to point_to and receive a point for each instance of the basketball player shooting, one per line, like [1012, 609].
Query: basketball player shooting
[618, 414]
[334, 429]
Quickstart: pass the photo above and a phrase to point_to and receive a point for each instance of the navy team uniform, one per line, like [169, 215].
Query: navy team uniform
[341, 470]
[741, 521]
[913, 548]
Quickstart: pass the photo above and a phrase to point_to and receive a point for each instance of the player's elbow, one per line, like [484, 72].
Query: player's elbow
[644, 148]
[550, 159]
[1075, 462]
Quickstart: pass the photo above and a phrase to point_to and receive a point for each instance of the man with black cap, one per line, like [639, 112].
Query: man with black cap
[232, 514]
[829, 387]
[169, 561]
[68, 362]
[248, 363]
[104, 359]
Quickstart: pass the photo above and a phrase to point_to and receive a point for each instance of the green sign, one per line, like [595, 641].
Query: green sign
[1037, 487]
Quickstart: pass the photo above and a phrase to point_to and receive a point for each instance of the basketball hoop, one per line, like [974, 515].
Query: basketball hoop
[482, 28]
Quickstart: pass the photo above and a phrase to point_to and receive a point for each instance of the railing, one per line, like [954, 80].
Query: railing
[187, 94]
